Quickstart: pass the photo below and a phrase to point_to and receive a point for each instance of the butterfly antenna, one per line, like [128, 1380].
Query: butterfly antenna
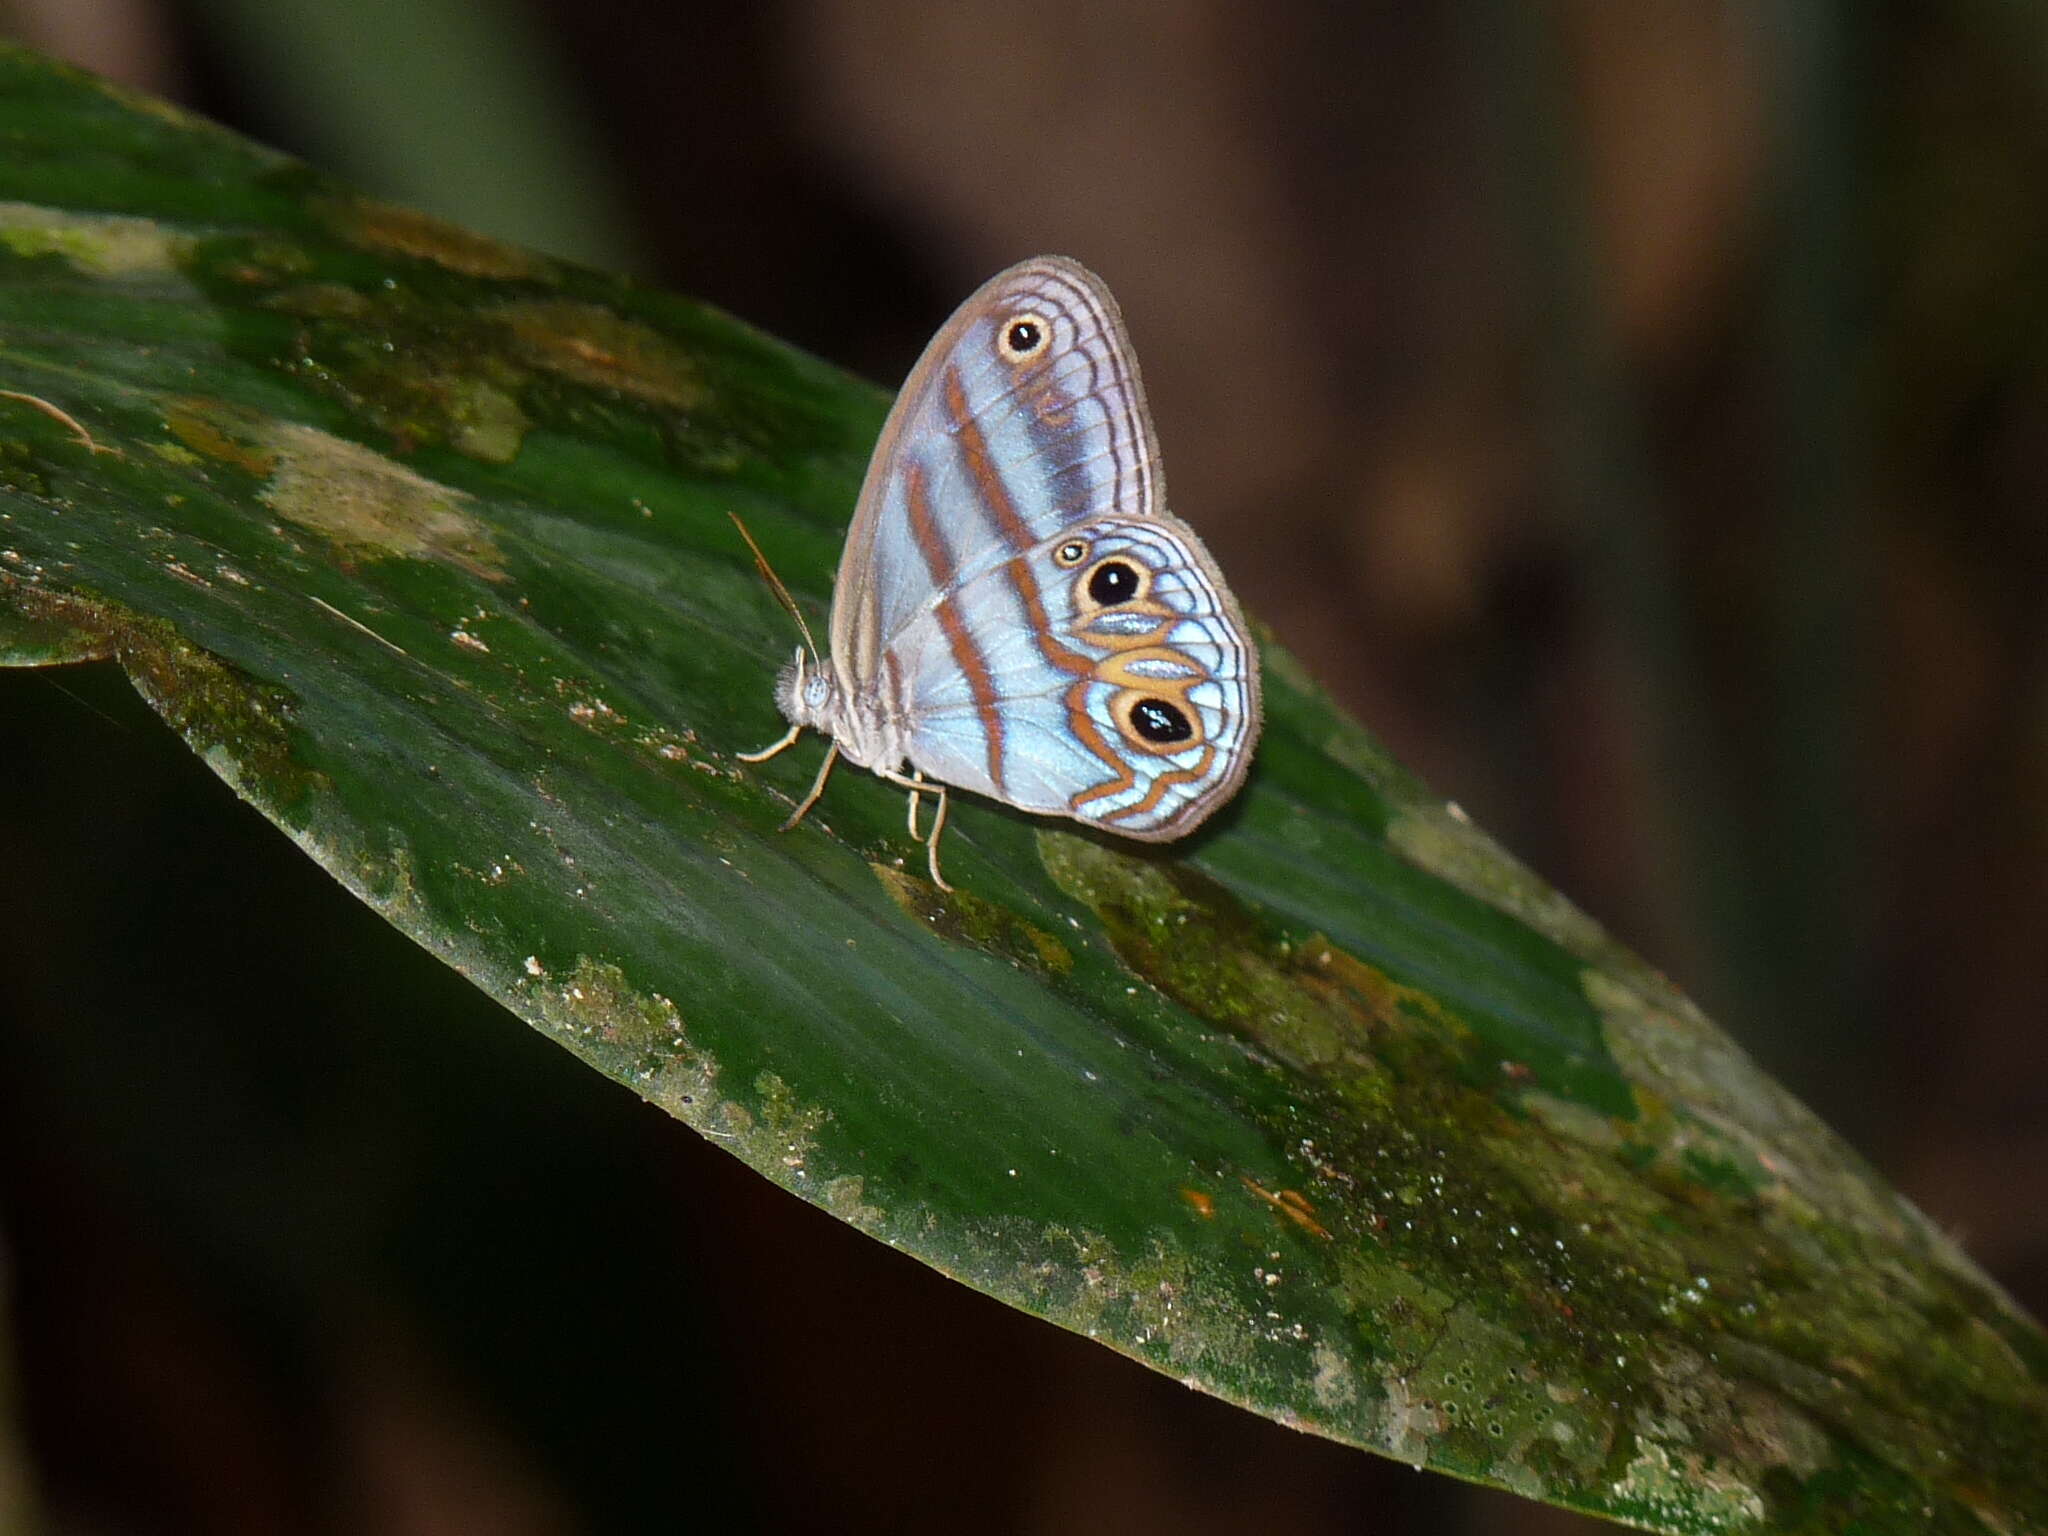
[775, 584]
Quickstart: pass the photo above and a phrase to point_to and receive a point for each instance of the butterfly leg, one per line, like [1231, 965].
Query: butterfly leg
[762, 756]
[931, 849]
[817, 788]
[920, 785]
[917, 789]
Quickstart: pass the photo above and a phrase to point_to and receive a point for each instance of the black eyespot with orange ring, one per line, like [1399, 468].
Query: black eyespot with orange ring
[1161, 723]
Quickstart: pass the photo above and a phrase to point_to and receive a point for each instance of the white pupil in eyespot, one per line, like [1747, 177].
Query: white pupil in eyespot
[1071, 552]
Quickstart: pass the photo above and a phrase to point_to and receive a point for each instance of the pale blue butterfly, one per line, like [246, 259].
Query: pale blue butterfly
[1016, 612]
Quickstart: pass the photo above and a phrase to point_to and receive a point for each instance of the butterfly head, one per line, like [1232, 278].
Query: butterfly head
[807, 692]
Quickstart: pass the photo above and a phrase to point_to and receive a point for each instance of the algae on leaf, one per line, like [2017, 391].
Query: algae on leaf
[1335, 1112]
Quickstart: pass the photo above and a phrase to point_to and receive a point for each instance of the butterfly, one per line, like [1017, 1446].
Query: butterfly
[1016, 612]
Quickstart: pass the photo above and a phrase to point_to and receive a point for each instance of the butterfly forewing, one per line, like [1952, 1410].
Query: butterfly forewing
[1024, 415]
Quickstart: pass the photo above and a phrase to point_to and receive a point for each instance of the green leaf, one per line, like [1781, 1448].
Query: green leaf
[1334, 1111]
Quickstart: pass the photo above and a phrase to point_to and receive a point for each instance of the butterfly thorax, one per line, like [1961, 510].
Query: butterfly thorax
[869, 732]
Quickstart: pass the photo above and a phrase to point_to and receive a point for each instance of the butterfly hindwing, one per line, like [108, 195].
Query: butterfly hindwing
[1103, 674]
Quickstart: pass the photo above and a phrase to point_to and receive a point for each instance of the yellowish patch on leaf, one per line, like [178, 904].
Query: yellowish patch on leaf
[588, 344]
[408, 232]
[97, 244]
[370, 506]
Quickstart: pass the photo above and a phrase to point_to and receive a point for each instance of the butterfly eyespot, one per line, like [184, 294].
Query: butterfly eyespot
[1023, 338]
[1113, 582]
[1070, 554]
[1158, 721]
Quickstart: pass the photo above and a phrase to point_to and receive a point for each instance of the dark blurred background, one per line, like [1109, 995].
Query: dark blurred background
[1637, 414]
